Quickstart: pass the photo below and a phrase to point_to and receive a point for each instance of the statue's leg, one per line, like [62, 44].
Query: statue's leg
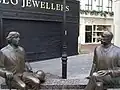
[99, 86]
[96, 82]
[31, 80]
[91, 84]
[101, 80]
[17, 83]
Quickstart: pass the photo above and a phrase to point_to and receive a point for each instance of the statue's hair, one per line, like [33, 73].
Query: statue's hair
[11, 35]
[110, 33]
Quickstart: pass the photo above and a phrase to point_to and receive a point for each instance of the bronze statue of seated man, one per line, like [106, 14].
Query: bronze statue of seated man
[106, 64]
[13, 67]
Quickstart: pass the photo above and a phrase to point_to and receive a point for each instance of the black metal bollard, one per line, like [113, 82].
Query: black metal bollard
[64, 66]
[64, 43]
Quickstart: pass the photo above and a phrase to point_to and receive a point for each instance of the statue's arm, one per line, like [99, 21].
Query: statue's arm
[28, 67]
[6, 74]
[2, 72]
[116, 71]
[93, 69]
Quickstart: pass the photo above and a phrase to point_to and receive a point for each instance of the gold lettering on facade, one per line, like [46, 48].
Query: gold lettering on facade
[5, 2]
[23, 3]
[61, 7]
[42, 5]
[47, 5]
[58, 7]
[52, 6]
[14, 3]
[28, 3]
[67, 8]
[36, 4]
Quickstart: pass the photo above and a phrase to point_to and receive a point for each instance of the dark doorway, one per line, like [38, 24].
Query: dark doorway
[41, 39]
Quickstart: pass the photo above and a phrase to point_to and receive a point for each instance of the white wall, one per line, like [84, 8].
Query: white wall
[117, 22]
[94, 3]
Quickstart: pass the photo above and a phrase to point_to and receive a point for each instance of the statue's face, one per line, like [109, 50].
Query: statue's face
[105, 38]
[15, 40]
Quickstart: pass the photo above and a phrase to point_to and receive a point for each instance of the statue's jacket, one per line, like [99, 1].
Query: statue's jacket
[107, 59]
[12, 59]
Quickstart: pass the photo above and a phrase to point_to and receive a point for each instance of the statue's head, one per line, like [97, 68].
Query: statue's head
[13, 38]
[106, 37]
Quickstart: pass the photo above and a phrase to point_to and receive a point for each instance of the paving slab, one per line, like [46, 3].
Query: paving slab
[78, 66]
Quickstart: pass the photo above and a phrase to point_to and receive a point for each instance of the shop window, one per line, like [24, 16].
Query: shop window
[93, 32]
[88, 34]
[100, 5]
[88, 6]
[110, 3]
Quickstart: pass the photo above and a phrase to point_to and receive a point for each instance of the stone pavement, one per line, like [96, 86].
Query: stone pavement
[78, 66]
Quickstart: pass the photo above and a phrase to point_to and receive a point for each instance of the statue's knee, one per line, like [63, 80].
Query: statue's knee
[37, 82]
[41, 75]
[99, 84]
[23, 86]
[95, 74]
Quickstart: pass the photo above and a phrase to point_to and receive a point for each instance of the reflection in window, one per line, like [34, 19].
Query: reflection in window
[100, 5]
[88, 6]
[110, 3]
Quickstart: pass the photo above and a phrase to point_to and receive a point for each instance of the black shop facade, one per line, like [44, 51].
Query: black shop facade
[40, 24]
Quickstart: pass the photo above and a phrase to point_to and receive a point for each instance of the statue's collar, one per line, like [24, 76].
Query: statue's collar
[12, 48]
[107, 46]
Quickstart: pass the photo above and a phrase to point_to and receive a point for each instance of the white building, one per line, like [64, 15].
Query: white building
[95, 15]
[116, 4]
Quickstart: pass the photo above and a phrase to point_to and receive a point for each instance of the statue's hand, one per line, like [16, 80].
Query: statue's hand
[9, 75]
[104, 72]
[88, 77]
